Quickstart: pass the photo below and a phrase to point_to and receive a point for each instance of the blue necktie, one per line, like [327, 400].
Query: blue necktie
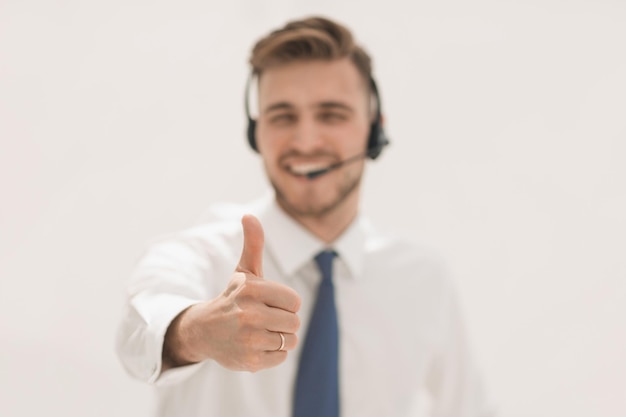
[317, 385]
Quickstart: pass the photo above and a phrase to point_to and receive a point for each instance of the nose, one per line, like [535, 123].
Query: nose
[307, 135]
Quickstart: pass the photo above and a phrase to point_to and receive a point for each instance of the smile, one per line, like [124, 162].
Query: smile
[304, 169]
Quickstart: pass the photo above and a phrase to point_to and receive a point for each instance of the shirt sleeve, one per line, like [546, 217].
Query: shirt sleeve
[454, 382]
[169, 278]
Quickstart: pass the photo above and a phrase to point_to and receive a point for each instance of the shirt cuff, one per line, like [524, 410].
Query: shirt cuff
[174, 375]
[158, 311]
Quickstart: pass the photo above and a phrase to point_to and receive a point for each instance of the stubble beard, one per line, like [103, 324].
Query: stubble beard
[313, 210]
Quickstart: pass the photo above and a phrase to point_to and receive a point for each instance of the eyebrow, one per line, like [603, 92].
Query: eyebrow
[335, 105]
[284, 105]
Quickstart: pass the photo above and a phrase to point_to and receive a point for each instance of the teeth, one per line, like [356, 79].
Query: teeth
[303, 169]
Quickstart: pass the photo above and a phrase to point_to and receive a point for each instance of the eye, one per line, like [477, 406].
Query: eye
[332, 116]
[282, 119]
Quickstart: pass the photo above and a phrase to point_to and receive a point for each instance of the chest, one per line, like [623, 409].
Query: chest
[388, 324]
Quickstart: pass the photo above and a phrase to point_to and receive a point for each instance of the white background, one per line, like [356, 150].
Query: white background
[122, 120]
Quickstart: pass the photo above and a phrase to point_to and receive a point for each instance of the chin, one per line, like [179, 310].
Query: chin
[302, 205]
[310, 205]
[303, 210]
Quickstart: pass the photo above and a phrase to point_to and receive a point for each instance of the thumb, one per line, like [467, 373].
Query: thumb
[253, 239]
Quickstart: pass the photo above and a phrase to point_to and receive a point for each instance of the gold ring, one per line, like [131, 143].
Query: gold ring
[282, 342]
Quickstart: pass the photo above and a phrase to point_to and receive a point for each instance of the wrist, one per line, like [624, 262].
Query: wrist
[177, 344]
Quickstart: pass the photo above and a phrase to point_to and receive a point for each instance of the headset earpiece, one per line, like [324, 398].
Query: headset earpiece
[251, 130]
[377, 139]
[251, 134]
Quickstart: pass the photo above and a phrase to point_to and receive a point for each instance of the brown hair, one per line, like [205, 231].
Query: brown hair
[309, 39]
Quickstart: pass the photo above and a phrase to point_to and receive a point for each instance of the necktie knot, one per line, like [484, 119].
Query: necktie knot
[324, 262]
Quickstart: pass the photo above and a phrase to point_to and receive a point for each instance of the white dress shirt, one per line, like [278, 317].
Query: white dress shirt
[401, 334]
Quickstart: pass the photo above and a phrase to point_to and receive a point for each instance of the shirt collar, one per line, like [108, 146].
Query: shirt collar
[292, 246]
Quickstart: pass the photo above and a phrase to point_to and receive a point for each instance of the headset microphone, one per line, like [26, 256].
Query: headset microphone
[314, 174]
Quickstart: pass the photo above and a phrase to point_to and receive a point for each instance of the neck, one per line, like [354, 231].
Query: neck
[329, 226]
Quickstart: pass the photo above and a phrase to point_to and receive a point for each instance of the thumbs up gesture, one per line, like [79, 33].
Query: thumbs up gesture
[253, 241]
[249, 327]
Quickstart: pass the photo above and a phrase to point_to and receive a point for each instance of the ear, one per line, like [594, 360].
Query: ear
[382, 120]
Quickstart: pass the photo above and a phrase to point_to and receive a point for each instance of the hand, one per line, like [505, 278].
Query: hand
[240, 328]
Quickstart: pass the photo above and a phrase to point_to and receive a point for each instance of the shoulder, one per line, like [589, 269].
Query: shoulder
[216, 234]
[400, 250]
[406, 259]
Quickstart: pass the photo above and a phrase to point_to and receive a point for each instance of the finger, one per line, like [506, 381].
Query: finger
[253, 240]
[275, 342]
[279, 320]
[272, 359]
[277, 295]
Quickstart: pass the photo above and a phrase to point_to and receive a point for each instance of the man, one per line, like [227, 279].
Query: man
[322, 315]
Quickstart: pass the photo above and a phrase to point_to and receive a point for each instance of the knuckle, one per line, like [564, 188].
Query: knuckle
[254, 363]
[243, 339]
[235, 284]
[296, 323]
[252, 339]
[249, 290]
[296, 303]
[248, 318]
[281, 357]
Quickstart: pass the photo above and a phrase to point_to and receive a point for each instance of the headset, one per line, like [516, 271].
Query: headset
[377, 138]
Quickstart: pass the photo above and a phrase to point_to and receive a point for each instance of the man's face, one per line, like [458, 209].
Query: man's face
[313, 114]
